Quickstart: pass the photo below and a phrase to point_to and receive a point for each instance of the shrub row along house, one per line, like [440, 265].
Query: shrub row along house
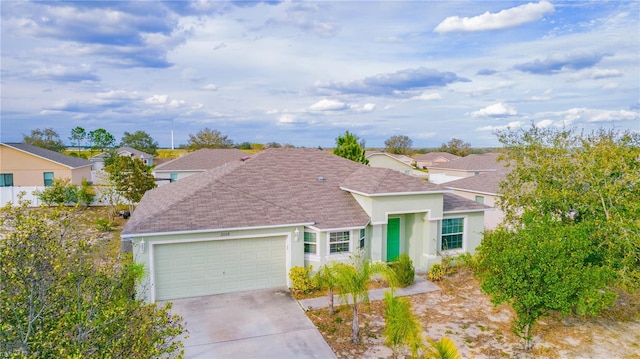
[245, 224]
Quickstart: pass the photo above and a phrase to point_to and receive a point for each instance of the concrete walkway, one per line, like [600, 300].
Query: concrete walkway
[419, 286]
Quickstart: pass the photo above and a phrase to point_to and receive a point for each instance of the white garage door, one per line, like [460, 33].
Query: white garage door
[210, 267]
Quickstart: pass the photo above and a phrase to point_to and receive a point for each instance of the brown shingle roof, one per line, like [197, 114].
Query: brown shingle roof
[455, 203]
[275, 187]
[432, 156]
[202, 160]
[474, 162]
[487, 182]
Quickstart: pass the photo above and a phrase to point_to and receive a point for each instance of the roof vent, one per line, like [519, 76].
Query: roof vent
[321, 179]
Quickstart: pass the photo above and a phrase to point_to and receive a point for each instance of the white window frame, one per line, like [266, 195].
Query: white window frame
[362, 243]
[347, 241]
[304, 240]
[460, 250]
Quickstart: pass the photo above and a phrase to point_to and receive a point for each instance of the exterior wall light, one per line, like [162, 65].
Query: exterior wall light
[297, 234]
[141, 246]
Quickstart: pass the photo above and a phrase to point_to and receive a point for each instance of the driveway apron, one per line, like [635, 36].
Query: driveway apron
[254, 324]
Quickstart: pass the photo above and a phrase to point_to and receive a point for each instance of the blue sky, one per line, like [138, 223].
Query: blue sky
[303, 73]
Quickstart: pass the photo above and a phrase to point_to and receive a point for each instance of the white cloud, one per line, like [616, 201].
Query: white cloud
[496, 110]
[596, 74]
[210, 87]
[509, 126]
[428, 96]
[156, 100]
[287, 118]
[544, 123]
[494, 21]
[328, 105]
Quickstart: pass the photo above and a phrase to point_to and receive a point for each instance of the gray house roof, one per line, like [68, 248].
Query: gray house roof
[486, 182]
[67, 161]
[202, 160]
[120, 151]
[276, 187]
[474, 162]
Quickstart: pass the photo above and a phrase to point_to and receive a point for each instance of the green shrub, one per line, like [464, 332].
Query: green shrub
[62, 191]
[85, 194]
[301, 279]
[404, 270]
[437, 272]
[104, 225]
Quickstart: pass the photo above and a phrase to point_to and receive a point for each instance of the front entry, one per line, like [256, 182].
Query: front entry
[393, 239]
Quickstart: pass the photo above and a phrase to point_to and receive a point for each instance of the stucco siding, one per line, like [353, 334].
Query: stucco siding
[29, 170]
[384, 161]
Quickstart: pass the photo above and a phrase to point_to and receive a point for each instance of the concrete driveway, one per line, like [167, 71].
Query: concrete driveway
[255, 324]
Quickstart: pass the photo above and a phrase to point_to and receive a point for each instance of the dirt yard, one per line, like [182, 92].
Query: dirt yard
[463, 313]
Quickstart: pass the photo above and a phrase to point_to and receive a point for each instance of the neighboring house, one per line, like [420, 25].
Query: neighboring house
[243, 226]
[197, 162]
[98, 160]
[400, 163]
[434, 158]
[463, 167]
[26, 168]
[482, 188]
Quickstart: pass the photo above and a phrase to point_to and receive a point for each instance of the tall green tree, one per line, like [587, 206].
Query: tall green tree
[398, 144]
[64, 298]
[352, 279]
[101, 139]
[47, 138]
[141, 141]
[571, 231]
[457, 147]
[78, 136]
[351, 147]
[130, 177]
[208, 138]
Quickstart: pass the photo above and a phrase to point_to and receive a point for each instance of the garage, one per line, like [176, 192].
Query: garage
[192, 269]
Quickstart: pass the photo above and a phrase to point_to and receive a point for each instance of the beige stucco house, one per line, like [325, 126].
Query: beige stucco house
[400, 163]
[244, 225]
[434, 158]
[26, 165]
[196, 162]
[463, 167]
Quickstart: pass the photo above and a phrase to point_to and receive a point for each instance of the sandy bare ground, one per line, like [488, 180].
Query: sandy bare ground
[480, 330]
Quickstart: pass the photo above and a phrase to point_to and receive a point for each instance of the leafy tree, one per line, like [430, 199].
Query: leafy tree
[350, 147]
[402, 328]
[63, 192]
[578, 177]
[457, 147]
[130, 177]
[244, 146]
[399, 145]
[101, 139]
[78, 134]
[64, 298]
[571, 231]
[47, 138]
[326, 278]
[273, 145]
[141, 141]
[352, 282]
[208, 138]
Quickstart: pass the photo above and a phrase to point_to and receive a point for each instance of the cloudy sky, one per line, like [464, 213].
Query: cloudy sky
[302, 73]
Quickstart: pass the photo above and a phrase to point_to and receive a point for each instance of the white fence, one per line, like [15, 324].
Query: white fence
[11, 194]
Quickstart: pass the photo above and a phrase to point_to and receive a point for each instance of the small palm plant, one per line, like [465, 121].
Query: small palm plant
[326, 279]
[445, 348]
[352, 279]
[402, 328]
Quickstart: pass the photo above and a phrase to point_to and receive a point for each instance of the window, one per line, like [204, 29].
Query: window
[363, 236]
[480, 199]
[6, 179]
[174, 177]
[310, 243]
[338, 242]
[452, 232]
[48, 178]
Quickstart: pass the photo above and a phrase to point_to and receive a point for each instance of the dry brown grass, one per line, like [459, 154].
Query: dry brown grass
[480, 330]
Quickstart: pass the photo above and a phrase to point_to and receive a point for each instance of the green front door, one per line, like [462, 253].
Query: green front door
[393, 239]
